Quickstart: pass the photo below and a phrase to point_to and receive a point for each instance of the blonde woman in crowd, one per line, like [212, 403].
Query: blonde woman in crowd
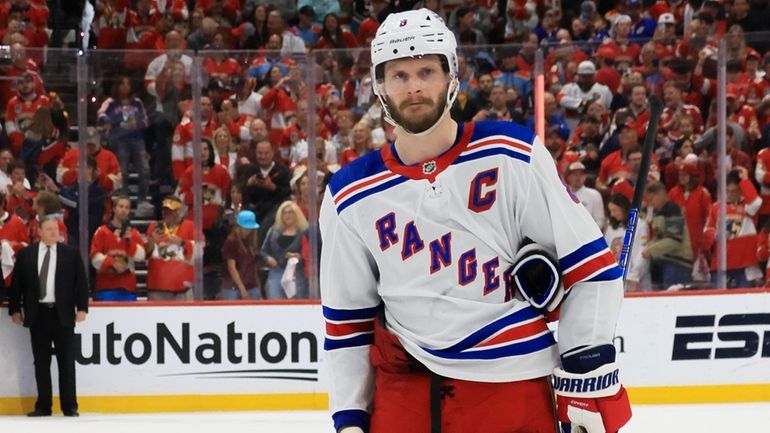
[282, 242]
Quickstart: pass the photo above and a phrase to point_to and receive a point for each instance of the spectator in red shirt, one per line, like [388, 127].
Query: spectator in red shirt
[360, 144]
[694, 200]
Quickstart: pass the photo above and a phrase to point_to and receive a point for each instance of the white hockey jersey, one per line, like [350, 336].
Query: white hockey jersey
[432, 244]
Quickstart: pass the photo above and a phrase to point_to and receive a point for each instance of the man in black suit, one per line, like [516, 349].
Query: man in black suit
[48, 295]
[265, 186]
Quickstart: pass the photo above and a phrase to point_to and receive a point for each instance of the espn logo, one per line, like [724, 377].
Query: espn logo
[744, 331]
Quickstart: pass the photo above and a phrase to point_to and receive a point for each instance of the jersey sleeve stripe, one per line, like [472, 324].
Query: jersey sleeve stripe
[582, 253]
[346, 343]
[598, 265]
[344, 329]
[522, 315]
[518, 348]
[499, 140]
[359, 314]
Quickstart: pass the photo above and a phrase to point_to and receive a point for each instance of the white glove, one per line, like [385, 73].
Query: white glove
[352, 429]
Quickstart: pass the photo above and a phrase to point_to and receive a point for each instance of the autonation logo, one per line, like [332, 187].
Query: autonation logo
[229, 347]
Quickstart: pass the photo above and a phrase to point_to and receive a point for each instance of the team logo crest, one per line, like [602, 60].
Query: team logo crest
[428, 167]
[402, 23]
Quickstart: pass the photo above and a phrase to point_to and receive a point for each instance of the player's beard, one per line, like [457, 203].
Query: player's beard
[418, 124]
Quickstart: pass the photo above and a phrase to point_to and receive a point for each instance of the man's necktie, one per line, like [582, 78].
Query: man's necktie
[44, 272]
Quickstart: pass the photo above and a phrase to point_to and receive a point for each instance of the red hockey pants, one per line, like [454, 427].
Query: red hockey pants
[402, 398]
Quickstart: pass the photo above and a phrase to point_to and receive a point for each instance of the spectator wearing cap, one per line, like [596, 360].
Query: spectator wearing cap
[669, 246]
[169, 245]
[306, 28]
[643, 27]
[591, 198]
[623, 49]
[638, 276]
[122, 115]
[743, 203]
[21, 109]
[241, 35]
[694, 199]
[290, 43]
[665, 37]
[615, 166]
[626, 180]
[756, 85]
[576, 96]
[216, 90]
[607, 73]
[243, 260]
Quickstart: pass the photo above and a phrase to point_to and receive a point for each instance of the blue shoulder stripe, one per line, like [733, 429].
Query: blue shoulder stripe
[512, 129]
[363, 167]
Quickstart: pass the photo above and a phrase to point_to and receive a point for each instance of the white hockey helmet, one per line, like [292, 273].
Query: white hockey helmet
[413, 34]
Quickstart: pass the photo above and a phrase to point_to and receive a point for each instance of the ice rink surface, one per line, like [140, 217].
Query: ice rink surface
[722, 418]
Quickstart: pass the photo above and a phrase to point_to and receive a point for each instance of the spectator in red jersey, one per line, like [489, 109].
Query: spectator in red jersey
[743, 202]
[614, 166]
[669, 246]
[235, 122]
[333, 36]
[624, 50]
[13, 237]
[218, 64]
[762, 176]
[115, 249]
[181, 147]
[694, 200]
[19, 194]
[625, 181]
[109, 175]
[20, 65]
[360, 144]
[742, 114]
[45, 141]
[169, 246]
[674, 108]
[21, 109]
[280, 101]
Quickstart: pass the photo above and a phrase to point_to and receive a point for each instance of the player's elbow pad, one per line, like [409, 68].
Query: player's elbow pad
[537, 277]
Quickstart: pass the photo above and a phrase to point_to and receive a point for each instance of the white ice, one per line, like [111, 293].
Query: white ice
[714, 418]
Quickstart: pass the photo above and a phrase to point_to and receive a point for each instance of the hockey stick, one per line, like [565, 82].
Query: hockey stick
[656, 109]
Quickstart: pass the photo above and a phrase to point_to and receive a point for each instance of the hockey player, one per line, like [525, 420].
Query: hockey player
[435, 269]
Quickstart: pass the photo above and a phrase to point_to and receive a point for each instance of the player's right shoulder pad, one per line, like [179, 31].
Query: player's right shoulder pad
[537, 277]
